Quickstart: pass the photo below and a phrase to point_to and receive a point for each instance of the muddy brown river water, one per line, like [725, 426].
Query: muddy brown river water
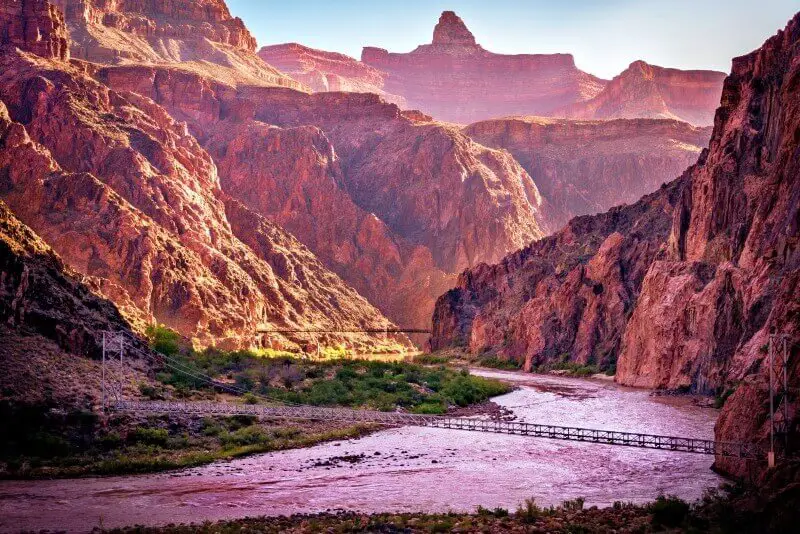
[405, 469]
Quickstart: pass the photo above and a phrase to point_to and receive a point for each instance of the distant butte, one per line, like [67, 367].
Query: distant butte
[648, 91]
[451, 30]
[457, 80]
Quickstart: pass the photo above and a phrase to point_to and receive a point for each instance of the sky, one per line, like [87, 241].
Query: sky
[605, 36]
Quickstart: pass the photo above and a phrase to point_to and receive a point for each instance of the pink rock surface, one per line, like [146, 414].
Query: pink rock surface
[649, 91]
[328, 71]
[193, 35]
[585, 167]
[682, 288]
[455, 79]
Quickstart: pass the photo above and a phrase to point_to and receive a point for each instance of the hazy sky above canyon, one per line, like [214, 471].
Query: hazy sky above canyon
[604, 36]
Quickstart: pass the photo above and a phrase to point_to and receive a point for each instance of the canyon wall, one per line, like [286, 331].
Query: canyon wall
[395, 204]
[648, 91]
[585, 167]
[51, 324]
[128, 197]
[328, 71]
[681, 289]
[455, 79]
[565, 297]
[194, 35]
[34, 25]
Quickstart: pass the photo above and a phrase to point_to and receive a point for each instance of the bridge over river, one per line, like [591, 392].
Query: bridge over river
[607, 437]
[117, 344]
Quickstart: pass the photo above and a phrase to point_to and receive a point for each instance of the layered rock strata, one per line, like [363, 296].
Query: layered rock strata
[649, 91]
[197, 36]
[394, 203]
[684, 294]
[328, 71]
[455, 79]
[126, 195]
[585, 167]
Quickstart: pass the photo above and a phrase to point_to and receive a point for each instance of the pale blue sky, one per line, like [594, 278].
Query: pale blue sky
[605, 36]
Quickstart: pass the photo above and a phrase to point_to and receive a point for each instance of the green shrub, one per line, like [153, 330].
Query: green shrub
[150, 436]
[575, 505]
[164, 340]
[109, 440]
[430, 359]
[251, 435]
[494, 362]
[497, 512]
[47, 445]
[528, 512]
[465, 390]
[668, 511]
[430, 408]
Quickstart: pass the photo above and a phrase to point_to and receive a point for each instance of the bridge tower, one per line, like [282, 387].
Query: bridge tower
[779, 394]
[113, 344]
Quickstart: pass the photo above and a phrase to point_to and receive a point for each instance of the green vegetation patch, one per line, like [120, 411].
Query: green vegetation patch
[376, 385]
[74, 444]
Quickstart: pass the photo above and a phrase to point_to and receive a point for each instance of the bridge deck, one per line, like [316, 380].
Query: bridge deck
[608, 437]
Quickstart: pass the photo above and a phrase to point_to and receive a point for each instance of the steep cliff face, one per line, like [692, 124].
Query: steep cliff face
[689, 304]
[584, 167]
[391, 201]
[51, 324]
[565, 297]
[198, 36]
[293, 176]
[740, 221]
[41, 297]
[34, 25]
[455, 79]
[649, 91]
[125, 194]
[327, 71]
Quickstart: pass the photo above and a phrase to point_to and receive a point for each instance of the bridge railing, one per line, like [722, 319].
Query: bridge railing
[608, 437]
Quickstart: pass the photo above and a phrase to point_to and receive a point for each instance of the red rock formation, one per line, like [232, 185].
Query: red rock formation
[194, 35]
[51, 324]
[124, 194]
[739, 221]
[649, 91]
[431, 189]
[42, 297]
[705, 289]
[293, 176]
[567, 296]
[327, 71]
[455, 79]
[34, 25]
[584, 167]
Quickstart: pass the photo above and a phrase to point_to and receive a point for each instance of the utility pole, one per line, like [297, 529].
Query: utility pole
[103, 374]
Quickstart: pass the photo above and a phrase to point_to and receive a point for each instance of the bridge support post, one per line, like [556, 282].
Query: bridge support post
[779, 420]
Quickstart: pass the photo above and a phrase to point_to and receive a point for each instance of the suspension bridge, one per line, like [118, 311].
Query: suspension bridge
[114, 348]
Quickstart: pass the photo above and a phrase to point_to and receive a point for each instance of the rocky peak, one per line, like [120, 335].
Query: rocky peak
[451, 30]
[34, 26]
[210, 19]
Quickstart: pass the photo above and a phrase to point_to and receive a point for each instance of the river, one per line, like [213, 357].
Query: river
[405, 469]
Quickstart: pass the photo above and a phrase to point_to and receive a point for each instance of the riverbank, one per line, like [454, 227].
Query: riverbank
[715, 513]
[404, 469]
[126, 445]
[53, 441]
